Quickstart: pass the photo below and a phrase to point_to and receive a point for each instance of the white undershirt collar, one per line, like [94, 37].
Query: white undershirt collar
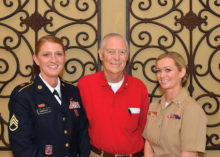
[57, 88]
[117, 85]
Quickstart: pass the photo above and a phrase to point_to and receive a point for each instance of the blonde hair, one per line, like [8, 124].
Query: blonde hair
[179, 62]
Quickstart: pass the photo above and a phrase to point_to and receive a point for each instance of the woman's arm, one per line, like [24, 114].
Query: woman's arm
[148, 150]
[21, 130]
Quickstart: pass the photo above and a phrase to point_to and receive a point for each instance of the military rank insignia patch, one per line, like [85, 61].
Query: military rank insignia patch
[13, 124]
[48, 150]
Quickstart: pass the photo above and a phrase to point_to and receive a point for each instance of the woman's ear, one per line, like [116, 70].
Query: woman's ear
[35, 59]
[182, 72]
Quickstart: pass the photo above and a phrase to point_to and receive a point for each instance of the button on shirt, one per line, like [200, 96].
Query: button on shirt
[181, 126]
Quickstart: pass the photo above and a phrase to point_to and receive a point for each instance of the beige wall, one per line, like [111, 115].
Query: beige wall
[113, 19]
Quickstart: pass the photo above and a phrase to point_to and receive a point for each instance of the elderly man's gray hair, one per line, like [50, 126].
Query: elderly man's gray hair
[103, 42]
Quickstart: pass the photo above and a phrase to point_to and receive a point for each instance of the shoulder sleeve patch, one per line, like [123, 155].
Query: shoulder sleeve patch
[13, 124]
[63, 81]
[25, 85]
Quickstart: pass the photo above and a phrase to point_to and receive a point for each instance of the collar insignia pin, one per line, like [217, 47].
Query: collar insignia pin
[39, 87]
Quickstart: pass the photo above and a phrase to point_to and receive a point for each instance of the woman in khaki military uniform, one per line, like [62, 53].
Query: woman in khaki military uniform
[176, 123]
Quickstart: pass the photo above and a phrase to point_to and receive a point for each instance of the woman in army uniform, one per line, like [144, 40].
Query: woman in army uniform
[46, 115]
[176, 123]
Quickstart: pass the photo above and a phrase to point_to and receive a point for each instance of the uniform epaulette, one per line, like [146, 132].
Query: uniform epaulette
[25, 85]
[67, 82]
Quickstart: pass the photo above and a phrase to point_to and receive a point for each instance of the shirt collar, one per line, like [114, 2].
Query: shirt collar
[177, 100]
[117, 83]
[57, 88]
[181, 96]
[104, 82]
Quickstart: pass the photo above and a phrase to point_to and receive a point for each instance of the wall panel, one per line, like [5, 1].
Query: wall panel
[23, 22]
[191, 28]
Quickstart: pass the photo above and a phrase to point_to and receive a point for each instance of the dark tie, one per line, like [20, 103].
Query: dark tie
[56, 93]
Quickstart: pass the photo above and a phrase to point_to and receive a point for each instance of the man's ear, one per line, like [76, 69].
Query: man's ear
[100, 54]
[35, 59]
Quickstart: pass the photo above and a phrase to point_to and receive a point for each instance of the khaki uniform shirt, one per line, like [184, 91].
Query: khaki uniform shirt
[181, 126]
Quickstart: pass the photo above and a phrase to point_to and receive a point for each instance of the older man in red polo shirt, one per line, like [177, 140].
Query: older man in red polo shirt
[116, 103]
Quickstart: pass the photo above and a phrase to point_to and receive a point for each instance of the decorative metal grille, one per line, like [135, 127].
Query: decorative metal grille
[195, 33]
[25, 24]
[76, 22]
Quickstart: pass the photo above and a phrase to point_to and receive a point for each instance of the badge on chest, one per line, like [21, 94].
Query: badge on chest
[74, 105]
[43, 109]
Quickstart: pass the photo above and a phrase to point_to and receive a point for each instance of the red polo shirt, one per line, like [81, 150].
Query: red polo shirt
[116, 120]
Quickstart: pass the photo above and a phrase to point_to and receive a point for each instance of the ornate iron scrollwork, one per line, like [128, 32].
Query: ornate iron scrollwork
[191, 33]
[75, 22]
